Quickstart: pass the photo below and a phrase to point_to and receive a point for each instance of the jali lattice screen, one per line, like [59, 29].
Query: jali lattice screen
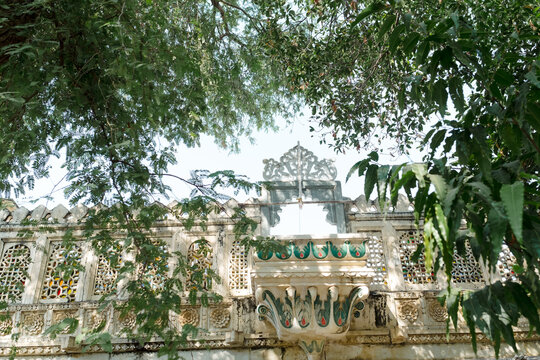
[238, 267]
[61, 275]
[414, 272]
[13, 272]
[105, 280]
[376, 260]
[465, 268]
[200, 264]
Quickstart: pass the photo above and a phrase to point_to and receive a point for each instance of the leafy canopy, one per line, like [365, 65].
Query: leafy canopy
[467, 72]
[112, 88]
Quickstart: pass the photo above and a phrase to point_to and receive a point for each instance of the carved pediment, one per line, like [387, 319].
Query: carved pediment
[297, 163]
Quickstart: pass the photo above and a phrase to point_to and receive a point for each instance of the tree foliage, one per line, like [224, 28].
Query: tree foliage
[462, 79]
[112, 88]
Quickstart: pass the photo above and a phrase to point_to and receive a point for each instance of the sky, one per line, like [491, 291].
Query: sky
[249, 162]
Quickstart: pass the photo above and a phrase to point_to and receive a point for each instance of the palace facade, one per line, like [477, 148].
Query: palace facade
[353, 292]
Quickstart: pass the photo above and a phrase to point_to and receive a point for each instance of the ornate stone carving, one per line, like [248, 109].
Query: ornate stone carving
[310, 318]
[299, 162]
[32, 323]
[189, 316]
[436, 311]
[94, 319]
[59, 316]
[313, 314]
[220, 317]
[13, 270]
[314, 348]
[408, 310]
[127, 321]
[6, 324]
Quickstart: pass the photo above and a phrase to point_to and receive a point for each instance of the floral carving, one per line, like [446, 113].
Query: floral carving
[94, 320]
[220, 317]
[6, 324]
[127, 321]
[408, 310]
[32, 323]
[189, 316]
[436, 311]
[61, 315]
[299, 162]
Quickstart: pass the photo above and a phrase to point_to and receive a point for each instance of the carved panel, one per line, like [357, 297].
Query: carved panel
[13, 272]
[55, 284]
[6, 324]
[59, 316]
[95, 319]
[238, 267]
[189, 316]
[32, 323]
[436, 310]
[220, 317]
[414, 272]
[408, 310]
[125, 322]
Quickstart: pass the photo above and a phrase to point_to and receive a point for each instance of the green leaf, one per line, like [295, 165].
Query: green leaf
[420, 171]
[523, 301]
[455, 86]
[394, 38]
[389, 20]
[360, 167]
[452, 305]
[369, 10]
[482, 190]
[442, 225]
[370, 180]
[470, 323]
[410, 42]
[422, 53]
[512, 199]
[503, 78]
[440, 95]
[437, 139]
[440, 186]
[496, 225]
[394, 193]
[429, 232]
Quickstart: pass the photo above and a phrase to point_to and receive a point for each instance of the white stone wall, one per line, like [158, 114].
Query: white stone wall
[401, 318]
